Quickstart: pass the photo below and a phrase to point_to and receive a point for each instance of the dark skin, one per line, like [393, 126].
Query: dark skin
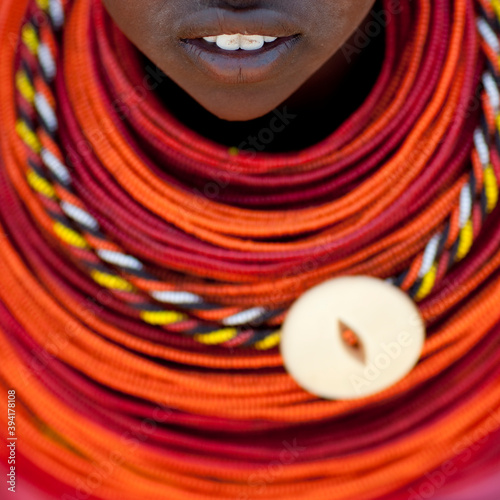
[318, 83]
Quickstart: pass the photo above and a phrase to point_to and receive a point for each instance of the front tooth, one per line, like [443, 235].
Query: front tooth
[228, 42]
[269, 39]
[211, 39]
[251, 42]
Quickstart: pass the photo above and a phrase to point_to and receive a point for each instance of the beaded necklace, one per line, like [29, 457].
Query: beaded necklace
[128, 235]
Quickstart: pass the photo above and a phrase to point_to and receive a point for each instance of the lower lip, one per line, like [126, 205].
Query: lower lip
[240, 66]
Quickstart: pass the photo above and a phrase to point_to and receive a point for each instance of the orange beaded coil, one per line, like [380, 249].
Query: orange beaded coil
[141, 312]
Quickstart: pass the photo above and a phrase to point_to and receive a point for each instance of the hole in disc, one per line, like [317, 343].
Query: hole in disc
[352, 342]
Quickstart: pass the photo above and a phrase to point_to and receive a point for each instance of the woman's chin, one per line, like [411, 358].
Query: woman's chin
[240, 106]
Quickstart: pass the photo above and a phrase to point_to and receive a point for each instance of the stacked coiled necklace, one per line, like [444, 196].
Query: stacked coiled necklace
[130, 294]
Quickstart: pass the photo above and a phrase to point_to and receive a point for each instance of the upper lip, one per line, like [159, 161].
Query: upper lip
[215, 21]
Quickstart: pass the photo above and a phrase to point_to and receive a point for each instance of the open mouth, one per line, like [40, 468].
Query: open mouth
[238, 58]
[239, 45]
